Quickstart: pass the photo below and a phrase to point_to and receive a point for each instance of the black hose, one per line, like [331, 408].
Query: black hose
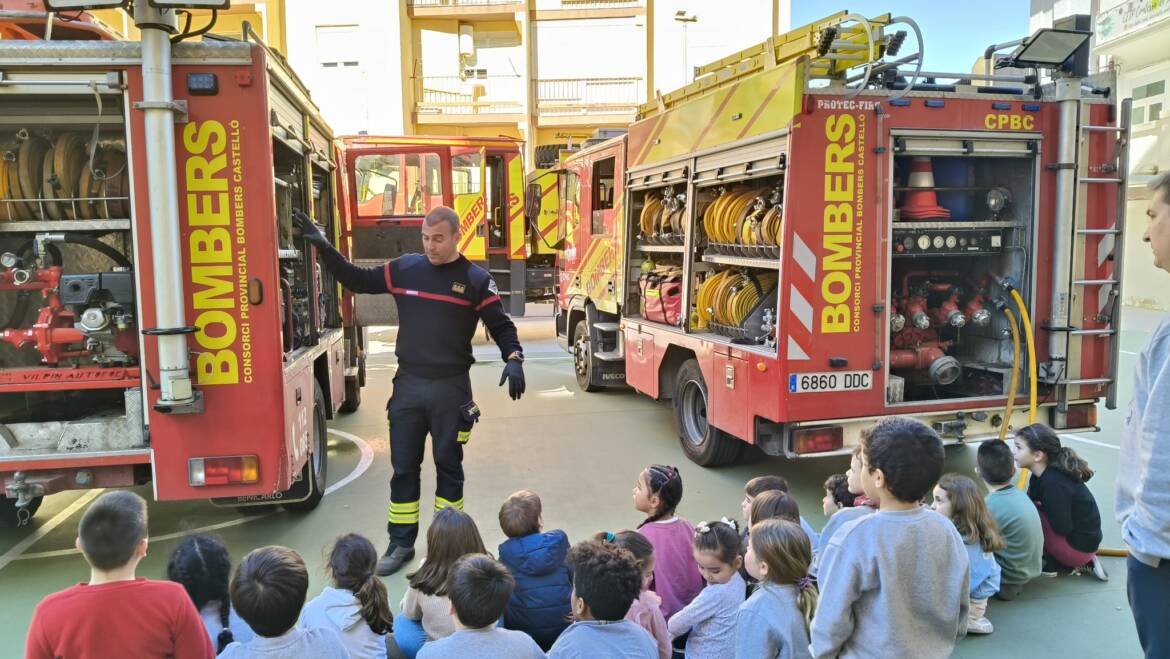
[97, 245]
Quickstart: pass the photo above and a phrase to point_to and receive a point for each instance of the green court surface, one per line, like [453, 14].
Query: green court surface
[581, 453]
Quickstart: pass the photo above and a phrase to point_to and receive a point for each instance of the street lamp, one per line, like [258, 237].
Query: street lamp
[683, 17]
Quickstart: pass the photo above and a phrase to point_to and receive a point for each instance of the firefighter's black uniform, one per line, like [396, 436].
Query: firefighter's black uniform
[439, 308]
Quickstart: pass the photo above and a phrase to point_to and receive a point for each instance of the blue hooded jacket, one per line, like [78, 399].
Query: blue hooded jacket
[540, 604]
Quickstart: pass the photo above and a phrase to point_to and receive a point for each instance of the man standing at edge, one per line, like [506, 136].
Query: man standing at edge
[441, 298]
[1143, 473]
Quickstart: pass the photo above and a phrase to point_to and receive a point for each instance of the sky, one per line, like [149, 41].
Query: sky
[956, 33]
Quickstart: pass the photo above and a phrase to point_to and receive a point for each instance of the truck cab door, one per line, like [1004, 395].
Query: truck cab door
[468, 186]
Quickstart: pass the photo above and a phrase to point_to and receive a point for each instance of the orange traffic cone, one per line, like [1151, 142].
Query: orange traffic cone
[922, 204]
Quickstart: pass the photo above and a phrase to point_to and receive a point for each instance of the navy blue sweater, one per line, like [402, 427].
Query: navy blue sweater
[1070, 507]
[540, 604]
[439, 307]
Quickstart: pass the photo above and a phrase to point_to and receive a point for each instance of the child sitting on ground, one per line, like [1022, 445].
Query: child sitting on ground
[774, 621]
[539, 605]
[894, 583]
[647, 609]
[201, 564]
[770, 483]
[268, 590]
[1069, 517]
[710, 617]
[606, 581]
[426, 610]
[1022, 556]
[357, 606]
[862, 506]
[957, 498]
[657, 493]
[479, 588]
[145, 618]
[837, 495]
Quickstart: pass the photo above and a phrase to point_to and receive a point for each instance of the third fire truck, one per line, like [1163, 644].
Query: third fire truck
[816, 234]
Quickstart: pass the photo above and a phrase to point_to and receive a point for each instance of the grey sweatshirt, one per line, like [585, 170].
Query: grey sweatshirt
[770, 625]
[893, 584]
[839, 519]
[1143, 469]
[487, 643]
[296, 643]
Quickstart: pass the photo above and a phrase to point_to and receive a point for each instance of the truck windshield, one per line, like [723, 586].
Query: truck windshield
[398, 184]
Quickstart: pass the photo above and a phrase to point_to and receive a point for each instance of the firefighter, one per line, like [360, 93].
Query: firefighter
[441, 298]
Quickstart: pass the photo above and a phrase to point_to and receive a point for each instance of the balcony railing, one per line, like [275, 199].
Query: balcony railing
[588, 4]
[1128, 18]
[470, 96]
[573, 96]
[460, 3]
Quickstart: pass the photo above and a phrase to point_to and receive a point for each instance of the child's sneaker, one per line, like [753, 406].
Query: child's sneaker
[980, 626]
[1098, 569]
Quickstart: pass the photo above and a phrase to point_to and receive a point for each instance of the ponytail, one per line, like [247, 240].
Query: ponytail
[665, 482]
[351, 565]
[806, 600]
[375, 605]
[225, 635]
[1069, 462]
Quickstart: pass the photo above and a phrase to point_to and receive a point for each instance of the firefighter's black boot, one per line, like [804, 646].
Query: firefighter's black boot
[393, 560]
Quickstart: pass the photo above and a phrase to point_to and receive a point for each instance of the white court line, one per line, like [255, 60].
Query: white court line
[44, 529]
[1091, 441]
[364, 463]
[1126, 352]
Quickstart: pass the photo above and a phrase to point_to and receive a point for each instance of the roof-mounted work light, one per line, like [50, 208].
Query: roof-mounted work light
[1048, 48]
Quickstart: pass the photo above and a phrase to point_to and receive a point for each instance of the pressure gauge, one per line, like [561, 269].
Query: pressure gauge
[908, 242]
[951, 242]
[924, 242]
[939, 242]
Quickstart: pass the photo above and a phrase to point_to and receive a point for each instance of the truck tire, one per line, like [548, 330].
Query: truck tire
[353, 396]
[9, 519]
[703, 443]
[547, 155]
[315, 466]
[583, 363]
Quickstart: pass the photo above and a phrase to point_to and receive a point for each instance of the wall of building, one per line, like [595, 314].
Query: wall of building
[347, 52]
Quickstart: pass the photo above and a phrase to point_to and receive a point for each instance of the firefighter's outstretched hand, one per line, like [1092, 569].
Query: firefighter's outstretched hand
[309, 230]
[514, 375]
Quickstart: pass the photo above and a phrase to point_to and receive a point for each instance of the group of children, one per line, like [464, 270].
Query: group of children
[887, 576]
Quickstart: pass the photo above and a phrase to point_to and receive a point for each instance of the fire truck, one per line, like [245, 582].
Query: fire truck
[163, 323]
[395, 181]
[816, 234]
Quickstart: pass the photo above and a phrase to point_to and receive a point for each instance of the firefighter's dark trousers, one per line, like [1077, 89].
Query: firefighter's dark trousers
[419, 406]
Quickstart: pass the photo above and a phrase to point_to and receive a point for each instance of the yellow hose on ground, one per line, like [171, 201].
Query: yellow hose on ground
[1015, 381]
[1032, 367]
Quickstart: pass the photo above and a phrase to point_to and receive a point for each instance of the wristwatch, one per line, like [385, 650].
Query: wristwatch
[518, 356]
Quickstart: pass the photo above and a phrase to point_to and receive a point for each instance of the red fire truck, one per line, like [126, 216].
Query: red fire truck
[162, 321]
[395, 181]
[816, 233]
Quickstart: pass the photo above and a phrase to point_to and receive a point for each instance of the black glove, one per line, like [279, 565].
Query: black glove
[309, 230]
[514, 375]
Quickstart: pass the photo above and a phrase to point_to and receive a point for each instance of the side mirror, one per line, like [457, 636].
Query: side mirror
[532, 201]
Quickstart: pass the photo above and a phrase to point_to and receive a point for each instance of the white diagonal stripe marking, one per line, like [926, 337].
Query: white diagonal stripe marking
[804, 257]
[801, 309]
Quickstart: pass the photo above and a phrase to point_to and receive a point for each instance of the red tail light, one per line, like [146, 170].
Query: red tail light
[818, 440]
[224, 470]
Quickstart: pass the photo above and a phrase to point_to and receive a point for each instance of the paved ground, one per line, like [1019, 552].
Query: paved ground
[581, 453]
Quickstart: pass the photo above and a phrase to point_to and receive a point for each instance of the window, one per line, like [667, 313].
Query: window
[466, 173]
[397, 184]
[338, 46]
[1147, 102]
[603, 192]
[570, 195]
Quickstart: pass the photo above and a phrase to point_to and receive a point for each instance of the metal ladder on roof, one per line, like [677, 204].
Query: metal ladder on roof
[1110, 248]
[833, 44]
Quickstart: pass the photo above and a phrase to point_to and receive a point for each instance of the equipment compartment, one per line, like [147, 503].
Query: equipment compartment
[962, 239]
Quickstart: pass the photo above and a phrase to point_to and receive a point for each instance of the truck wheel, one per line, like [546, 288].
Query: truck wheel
[583, 357]
[702, 442]
[10, 518]
[315, 466]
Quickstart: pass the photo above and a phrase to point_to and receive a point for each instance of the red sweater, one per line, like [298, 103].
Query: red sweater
[140, 618]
